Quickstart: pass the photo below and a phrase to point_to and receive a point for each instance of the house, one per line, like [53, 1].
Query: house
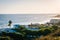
[54, 21]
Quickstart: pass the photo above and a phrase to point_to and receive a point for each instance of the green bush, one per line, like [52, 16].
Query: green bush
[46, 32]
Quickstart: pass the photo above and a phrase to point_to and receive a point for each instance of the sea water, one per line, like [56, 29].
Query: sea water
[25, 18]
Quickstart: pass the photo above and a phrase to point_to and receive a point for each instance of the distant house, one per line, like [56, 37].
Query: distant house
[54, 21]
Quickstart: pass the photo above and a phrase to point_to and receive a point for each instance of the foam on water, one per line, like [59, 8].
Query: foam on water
[5, 26]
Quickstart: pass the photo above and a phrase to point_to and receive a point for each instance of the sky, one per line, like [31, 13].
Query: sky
[29, 6]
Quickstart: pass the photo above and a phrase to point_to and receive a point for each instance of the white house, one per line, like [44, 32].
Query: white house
[54, 21]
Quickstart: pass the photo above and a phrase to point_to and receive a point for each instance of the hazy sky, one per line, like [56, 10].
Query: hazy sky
[29, 6]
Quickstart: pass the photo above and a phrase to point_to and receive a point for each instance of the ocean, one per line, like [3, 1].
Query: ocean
[24, 19]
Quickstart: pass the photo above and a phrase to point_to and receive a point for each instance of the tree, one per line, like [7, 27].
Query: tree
[10, 22]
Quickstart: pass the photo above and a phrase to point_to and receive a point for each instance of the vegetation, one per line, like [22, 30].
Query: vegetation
[23, 33]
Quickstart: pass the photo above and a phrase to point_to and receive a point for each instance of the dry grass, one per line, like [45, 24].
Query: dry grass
[50, 36]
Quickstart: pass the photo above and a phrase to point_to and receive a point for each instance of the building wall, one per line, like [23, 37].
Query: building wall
[54, 21]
